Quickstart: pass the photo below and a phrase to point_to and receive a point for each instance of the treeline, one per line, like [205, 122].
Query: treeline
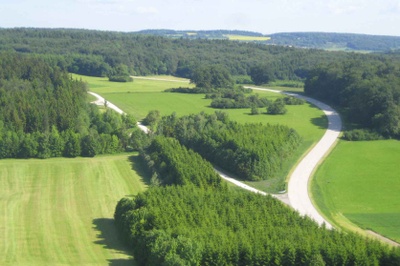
[96, 53]
[185, 225]
[251, 151]
[367, 91]
[199, 34]
[238, 100]
[44, 113]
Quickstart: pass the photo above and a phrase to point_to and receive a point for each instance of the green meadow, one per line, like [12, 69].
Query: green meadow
[60, 211]
[144, 94]
[359, 185]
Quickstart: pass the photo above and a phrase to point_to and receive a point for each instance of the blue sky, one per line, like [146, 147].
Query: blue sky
[265, 16]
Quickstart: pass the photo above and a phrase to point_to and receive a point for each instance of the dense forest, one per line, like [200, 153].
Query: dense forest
[44, 113]
[191, 218]
[251, 151]
[96, 53]
[367, 91]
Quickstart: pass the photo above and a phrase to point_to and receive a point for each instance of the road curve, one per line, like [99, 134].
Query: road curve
[299, 197]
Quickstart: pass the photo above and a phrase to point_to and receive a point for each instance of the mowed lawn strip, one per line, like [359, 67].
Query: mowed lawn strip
[359, 182]
[59, 211]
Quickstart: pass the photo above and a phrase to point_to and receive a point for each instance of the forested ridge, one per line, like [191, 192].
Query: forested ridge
[96, 53]
[44, 113]
[328, 40]
[190, 219]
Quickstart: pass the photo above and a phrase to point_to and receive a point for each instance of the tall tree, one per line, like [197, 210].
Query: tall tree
[212, 76]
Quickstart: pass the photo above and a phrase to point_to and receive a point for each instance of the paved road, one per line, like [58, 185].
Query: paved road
[298, 195]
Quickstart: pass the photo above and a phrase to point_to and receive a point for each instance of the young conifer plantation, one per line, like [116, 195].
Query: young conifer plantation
[191, 218]
[251, 151]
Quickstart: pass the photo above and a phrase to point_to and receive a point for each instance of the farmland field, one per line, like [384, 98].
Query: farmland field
[59, 211]
[359, 184]
[246, 38]
[142, 95]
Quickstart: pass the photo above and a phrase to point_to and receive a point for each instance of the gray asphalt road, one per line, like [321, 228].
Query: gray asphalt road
[298, 194]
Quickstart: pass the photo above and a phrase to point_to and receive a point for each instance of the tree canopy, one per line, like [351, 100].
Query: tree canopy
[367, 91]
[44, 113]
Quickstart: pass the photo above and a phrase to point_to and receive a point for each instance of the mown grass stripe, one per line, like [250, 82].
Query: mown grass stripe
[50, 207]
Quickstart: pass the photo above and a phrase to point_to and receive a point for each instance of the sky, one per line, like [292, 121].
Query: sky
[265, 16]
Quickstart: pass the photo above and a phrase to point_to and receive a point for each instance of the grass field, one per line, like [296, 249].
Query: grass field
[59, 211]
[143, 95]
[359, 184]
[246, 38]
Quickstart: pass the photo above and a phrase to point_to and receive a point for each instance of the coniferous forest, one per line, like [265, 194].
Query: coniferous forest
[191, 218]
[251, 151]
[44, 113]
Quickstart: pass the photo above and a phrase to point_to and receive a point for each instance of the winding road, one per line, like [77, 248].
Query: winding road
[298, 196]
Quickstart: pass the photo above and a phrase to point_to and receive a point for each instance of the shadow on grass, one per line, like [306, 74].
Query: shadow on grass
[321, 122]
[138, 166]
[108, 238]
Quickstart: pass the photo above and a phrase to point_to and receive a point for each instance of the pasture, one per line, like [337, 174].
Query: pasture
[145, 94]
[358, 184]
[60, 211]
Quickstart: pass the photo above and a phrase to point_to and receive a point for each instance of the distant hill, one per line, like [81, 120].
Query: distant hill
[318, 40]
[202, 34]
[337, 41]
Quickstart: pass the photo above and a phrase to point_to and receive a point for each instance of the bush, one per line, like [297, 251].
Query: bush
[290, 100]
[120, 78]
[361, 134]
[277, 108]
[254, 110]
